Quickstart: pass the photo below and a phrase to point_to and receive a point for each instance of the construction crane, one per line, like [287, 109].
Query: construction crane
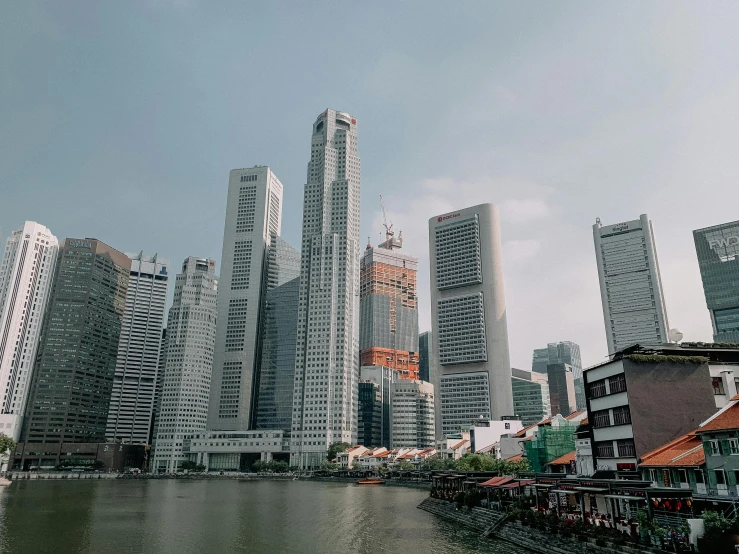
[388, 229]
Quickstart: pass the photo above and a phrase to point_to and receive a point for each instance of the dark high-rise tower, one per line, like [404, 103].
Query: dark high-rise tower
[76, 361]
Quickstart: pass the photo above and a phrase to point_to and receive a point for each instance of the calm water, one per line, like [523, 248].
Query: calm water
[168, 516]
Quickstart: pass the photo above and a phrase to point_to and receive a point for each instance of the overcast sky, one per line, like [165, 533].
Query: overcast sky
[121, 121]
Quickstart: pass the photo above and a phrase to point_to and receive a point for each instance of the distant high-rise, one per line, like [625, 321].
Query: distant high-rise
[158, 387]
[26, 273]
[279, 326]
[564, 352]
[540, 360]
[412, 414]
[76, 360]
[383, 378]
[630, 285]
[388, 308]
[253, 216]
[424, 356]
[134, 383]
[369, 429]
[470, 366]
[327, 362]
[562, 396]
[718, 258]
[191, 335]
[530, 396]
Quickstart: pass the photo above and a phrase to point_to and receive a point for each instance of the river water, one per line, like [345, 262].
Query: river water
[223, 516]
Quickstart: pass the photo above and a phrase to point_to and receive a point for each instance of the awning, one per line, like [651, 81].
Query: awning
[565, 491]
[496, 482]
[542, 486]
[517, 484]
[624, 497]
[591, 489]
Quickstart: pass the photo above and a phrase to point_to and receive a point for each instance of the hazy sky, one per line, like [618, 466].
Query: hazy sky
[121, 121]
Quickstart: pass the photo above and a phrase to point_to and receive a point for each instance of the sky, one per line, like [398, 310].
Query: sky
[122, 120]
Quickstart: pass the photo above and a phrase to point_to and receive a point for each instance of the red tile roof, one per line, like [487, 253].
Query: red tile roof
[516, 458]
[573, 415]
[563, 460]
[735, 397]
[496, 481]
[460, 444]
[685, 451]
[727, 418]
[522, 432]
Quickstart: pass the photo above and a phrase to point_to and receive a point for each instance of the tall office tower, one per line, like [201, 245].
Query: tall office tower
[718, 258]
[470, 366]
[191, 335]
[158, 387]
[134, 383]
[26, 274]
[530, 396]
[279, 327]
[562, 398]
[412, 414]
[630, 284]
[370, 418]
[388, 308]
[424, 352]
[327, 360]
[540, 360]
[76, 360]
[383, 377]
[253, 216]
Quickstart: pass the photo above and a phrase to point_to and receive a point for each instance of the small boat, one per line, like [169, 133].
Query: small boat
[5, 482]
[370, 481]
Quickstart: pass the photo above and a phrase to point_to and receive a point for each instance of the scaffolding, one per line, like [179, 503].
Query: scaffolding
[549, 444]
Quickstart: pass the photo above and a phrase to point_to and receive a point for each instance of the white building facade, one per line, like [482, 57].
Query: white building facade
[412, 414]
[253, 215]
[630, 284]
[470, 364]
[325, 400]
[26, 273]
[137, 365]
[191, 334]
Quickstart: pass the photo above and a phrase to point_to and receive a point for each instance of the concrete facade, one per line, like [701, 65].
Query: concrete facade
[470, 365]
[412, 414]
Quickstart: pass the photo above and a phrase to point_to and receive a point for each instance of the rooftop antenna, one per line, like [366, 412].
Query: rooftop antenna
[388, 229]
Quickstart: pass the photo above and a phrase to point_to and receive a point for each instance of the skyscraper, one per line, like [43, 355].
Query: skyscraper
[76, 360]
[412, 414]
[279, 326]
[253, 215]
[388, 308]
[630, 284]
[191, 335]
[563, 352]
[26, 273]
[382, 377]
[470, 365]
[327, 360]
[540, 360]
[530, 396]
[718, 258]
[424, 356]
[371, 420]
[562, 398]
[134, 383]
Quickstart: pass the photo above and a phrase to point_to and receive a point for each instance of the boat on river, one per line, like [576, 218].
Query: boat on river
[370, 481]
[5, 482]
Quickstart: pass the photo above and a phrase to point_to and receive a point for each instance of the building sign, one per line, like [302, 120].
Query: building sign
[724, 242]
[445, 217]
[73, 243]
[620, 227]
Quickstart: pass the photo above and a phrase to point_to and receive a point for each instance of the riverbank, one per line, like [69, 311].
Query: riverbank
[495, 524]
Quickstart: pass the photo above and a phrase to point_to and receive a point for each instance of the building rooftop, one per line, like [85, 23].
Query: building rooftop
[563, 460]
[685, 451]
[726, 418]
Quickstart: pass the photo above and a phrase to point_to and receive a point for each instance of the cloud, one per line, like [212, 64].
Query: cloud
[524, 211]
[516, 251]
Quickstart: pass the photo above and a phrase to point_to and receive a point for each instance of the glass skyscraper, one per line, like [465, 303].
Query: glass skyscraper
[718, 258]
[424, 353]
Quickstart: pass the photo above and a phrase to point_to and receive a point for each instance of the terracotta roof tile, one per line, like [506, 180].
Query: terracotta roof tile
[516, 458]
[573, 415]
[460, 444]
[728, 418]
[685, 451]
[563, 460]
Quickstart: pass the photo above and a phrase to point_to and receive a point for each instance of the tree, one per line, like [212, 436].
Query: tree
[405, 465]
[336, 448]
[329, 466]
[6, 448]
[435, 463]
[189, 465]
[356, 466]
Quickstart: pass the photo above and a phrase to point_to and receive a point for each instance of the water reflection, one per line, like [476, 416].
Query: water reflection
[168, 517]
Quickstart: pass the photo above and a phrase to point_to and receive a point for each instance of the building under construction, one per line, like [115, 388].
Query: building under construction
[388, 331]
[549, 443]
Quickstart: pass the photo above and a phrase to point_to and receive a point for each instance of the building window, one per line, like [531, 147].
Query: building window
[604, 449]
[718, 385]
[617, 383]
[601, 418]
[682, 475]
[715, 448]
[621, 415]
[734, 448]
[626, 448]
[597, 389]
[699, 479]
[720, 477]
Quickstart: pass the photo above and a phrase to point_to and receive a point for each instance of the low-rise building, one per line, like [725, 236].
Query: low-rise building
[453, 446]
[643, 398]
[485, 433]
[346, 459]
[720, 438]
[70, 456]
[679, 463]
[236, 450]
[584, 450]
[565, 464]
